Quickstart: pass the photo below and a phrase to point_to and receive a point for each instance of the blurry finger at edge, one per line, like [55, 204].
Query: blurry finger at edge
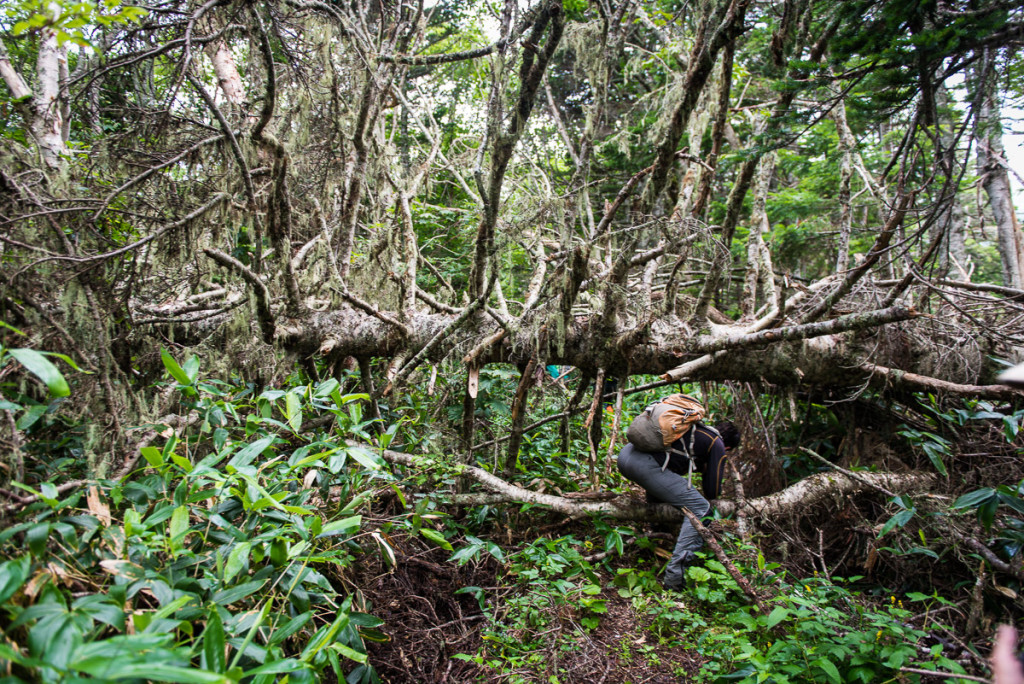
[1006, 668]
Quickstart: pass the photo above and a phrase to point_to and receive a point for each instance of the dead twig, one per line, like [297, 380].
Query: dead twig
[719, 552]
[947, 675]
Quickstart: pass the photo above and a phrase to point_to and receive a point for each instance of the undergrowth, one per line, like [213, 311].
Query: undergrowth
[816, 629]
[239, 546]
[222, 559]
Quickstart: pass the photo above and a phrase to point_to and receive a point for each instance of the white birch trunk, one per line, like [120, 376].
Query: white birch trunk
[15, 83]
[847, 145]
[228, 78]
[951, 221]
[65, 96]
[996, 181]
[47, 126]
[759, 265]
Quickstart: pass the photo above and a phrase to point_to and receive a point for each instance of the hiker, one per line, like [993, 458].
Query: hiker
[666, 477]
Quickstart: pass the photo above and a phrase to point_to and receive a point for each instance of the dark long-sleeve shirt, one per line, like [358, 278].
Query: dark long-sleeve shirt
[708, 456]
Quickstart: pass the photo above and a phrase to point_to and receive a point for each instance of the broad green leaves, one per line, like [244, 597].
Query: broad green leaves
[40, 366]
[935, 447]
[436, 537]
[13, 575]
[218, 530]
[72, 21]
[987, 500]
[340, 527]
[249, 453]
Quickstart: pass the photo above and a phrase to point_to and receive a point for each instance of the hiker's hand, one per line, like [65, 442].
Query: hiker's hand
[1006, 668]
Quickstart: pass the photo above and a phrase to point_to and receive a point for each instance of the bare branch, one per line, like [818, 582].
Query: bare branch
[857, 321]
[262, 294]
[898, 379]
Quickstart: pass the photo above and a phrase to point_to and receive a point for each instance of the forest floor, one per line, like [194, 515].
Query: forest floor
[430, 623]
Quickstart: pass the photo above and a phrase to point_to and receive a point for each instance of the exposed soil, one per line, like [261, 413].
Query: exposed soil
[428, 623]
[622, 650]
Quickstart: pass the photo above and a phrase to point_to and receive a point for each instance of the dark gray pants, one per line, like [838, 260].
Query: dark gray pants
[668, 487]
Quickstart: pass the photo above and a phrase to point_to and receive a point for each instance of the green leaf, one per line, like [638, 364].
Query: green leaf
[237, 559]
[350, 653]
[466, 554]
[290, 628]
[286, 666]
[36, 538]
[54, 639]
[1013, 501]
[112, 669]
[173, 607]
[364, 457]
[898, 520]
[324, 636]
[326, 388]
[777, 615]
[343, 526]
[293, 411]
[182, 462]
[698, 574]
[48, 492]
[8, 653]
[251, 634]
[153, 456]
[214, 655]
[987, 512]
[934, 453]
[174, 369]
[389, 435]
[357, 501]
[178, 527]
[4, 324]
[191, 369]
[101, 608]
[830, 669]
[365, 620]
[249, 453]
[436, 537]
[41, 367]
[1010, 427]
[13, 574]
[68, 360]
[974, 499]
[226, 597]
[30, 416]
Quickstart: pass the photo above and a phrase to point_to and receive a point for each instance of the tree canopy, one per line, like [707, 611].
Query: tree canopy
[412, 209]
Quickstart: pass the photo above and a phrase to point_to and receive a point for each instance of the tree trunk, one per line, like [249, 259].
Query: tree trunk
[950, 221]
[847, 145]
[810, 491]
[43, 109]
[228, 78]
[47, 126]
[994, 177]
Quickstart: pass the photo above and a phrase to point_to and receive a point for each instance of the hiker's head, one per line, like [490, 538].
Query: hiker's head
[730, 434]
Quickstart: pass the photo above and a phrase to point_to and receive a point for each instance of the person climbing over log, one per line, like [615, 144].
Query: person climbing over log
[667, 442]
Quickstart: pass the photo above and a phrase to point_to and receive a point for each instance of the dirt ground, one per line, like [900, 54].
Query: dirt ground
[428, 623]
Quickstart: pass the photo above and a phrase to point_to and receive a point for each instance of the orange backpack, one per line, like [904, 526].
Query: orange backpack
[664, 422]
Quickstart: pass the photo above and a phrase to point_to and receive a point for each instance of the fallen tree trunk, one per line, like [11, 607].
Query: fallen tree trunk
[832, 359]
[810, 491]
